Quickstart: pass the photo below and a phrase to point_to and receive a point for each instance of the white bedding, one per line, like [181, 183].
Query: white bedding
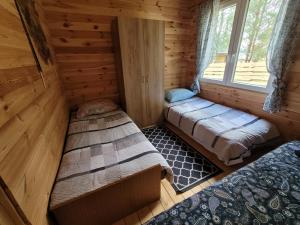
[229, 133]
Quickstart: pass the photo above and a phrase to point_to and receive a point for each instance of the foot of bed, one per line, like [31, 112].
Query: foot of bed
[111, 203]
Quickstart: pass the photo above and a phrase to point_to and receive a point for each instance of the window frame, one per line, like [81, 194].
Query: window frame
[239, 22]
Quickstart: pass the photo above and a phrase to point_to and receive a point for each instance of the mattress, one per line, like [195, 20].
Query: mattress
[229, 133]
[100, 150]
[266, 191]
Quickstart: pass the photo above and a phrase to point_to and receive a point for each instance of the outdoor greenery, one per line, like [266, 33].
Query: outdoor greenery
[251, 64]
[258, 28]
[224, 28]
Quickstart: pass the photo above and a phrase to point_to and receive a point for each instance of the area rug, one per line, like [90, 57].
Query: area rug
[190, 168]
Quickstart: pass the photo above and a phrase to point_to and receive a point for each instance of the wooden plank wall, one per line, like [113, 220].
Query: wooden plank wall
[33, 119]
[81, 35]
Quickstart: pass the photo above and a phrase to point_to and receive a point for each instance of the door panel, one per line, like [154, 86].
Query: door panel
[142, 52]
[154, 68]
[132, 53]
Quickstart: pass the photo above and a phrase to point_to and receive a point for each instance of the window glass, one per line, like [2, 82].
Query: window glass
[223, 34]
[251, 63]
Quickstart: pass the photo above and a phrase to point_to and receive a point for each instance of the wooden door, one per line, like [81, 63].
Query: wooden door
[154, 69]
[142, 53]
[132, 54]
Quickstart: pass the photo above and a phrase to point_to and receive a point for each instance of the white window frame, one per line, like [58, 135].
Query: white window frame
[234, 46]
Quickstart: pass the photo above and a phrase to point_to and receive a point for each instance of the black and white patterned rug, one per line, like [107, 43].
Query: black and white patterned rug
[190, 168]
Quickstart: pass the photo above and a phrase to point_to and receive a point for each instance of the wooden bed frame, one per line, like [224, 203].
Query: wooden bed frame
[211, 156]
[112, 202]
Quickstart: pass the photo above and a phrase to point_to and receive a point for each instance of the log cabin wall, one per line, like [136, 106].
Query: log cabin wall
[33, 119]
[81, 35]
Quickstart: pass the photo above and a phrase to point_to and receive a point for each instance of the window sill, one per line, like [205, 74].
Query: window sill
[237, 86]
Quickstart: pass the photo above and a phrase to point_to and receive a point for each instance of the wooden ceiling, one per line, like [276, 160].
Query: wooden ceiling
[80, 33]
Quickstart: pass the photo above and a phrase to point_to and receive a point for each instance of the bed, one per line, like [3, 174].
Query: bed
[266, 191]
[108, 170]
[229, 133]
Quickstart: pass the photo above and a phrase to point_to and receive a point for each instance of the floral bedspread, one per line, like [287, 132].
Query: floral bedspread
[266, 191]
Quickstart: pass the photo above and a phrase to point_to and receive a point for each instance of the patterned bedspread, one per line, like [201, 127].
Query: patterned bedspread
[229, 133]
[100, 150]
[266, 191]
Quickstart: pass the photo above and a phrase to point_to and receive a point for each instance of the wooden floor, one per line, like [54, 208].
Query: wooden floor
[168, 195]
[167, 200]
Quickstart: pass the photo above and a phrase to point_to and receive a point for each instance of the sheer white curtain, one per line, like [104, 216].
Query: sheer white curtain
[280, 50]
[207, 23]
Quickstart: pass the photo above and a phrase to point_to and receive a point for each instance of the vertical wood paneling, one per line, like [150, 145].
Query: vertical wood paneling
[33, 119]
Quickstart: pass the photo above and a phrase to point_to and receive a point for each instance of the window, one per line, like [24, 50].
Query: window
[243, 32]
[223, 34]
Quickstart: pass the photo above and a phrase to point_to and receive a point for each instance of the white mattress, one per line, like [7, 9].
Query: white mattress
[229, 133]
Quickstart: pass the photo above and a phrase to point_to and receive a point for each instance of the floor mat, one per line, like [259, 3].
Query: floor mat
[190, 168]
